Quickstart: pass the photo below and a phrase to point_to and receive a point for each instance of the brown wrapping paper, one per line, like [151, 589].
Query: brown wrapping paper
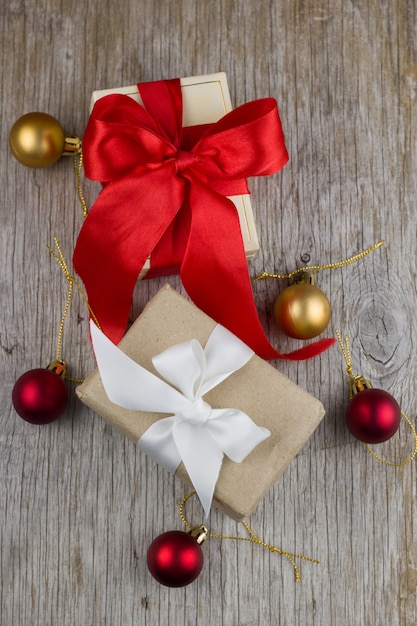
[258, 389]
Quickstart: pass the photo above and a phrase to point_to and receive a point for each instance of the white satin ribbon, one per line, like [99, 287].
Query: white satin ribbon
[195, 434]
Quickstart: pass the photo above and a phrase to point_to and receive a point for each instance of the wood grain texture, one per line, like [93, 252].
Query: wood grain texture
[79, 503]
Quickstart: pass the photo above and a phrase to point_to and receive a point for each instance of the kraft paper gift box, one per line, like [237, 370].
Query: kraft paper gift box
[206, 99]
[267, 396]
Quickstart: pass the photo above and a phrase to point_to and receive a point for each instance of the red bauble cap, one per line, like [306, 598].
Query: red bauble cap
[373, 416]
[39, 396]
[175, 559]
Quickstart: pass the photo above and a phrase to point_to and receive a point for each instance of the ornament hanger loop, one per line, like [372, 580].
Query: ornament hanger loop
[78, 164]
[253, 538]
[60, 259]
[357, 384]
[316, 268]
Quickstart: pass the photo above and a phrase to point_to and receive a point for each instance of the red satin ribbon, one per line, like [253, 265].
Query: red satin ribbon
[163, 196]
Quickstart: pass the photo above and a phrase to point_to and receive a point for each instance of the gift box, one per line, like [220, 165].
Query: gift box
[165, 200]
[268, 397]
[206, 99]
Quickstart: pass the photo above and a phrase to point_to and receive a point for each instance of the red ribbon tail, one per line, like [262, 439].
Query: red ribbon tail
[113, 246]
[222, 287]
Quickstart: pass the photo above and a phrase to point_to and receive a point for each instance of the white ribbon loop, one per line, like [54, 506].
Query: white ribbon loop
[184, 366]
[194, 433]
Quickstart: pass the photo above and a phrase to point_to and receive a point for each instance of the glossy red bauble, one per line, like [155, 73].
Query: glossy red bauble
[175, 558]
[373, 416]
[39, 396]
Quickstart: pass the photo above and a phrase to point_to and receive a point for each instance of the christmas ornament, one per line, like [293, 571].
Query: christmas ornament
[175, 558]
[38, 140]
[372, 415]
[302, 310]
[40, 396]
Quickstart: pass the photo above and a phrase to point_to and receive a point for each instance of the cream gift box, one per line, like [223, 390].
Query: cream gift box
[206, 99]
[267, 396]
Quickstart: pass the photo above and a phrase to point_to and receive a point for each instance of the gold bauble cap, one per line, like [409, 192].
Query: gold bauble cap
[38, 140]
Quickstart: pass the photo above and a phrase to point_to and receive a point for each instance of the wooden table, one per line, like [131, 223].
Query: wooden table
[80, 503]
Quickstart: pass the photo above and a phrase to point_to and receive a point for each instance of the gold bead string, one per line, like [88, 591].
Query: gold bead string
[60, 259]
[349, 370]
[252, 539]
[78, 164]
[412, 455]
[352, 380]
[316, 268]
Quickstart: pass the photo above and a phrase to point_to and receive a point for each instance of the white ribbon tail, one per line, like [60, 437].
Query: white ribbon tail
[130, 385]
[201, 456]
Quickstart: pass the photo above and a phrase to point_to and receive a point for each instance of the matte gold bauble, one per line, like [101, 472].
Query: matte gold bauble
[302, 310]
[38, 140]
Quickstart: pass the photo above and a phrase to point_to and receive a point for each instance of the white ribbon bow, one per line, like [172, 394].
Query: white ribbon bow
[195, 434]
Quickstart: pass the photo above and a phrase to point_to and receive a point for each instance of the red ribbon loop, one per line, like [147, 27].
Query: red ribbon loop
[164, 196]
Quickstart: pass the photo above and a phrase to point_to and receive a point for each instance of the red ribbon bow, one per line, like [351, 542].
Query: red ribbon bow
[164, 196]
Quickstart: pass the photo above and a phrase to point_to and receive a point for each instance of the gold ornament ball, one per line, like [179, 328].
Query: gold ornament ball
[302, 311]
[37, 140]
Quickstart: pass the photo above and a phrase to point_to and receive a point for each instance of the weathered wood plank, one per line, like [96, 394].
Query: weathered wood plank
[80, 504]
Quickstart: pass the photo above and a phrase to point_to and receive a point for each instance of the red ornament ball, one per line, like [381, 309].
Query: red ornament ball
[373, 416]
[39, 396]
[175, 559]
